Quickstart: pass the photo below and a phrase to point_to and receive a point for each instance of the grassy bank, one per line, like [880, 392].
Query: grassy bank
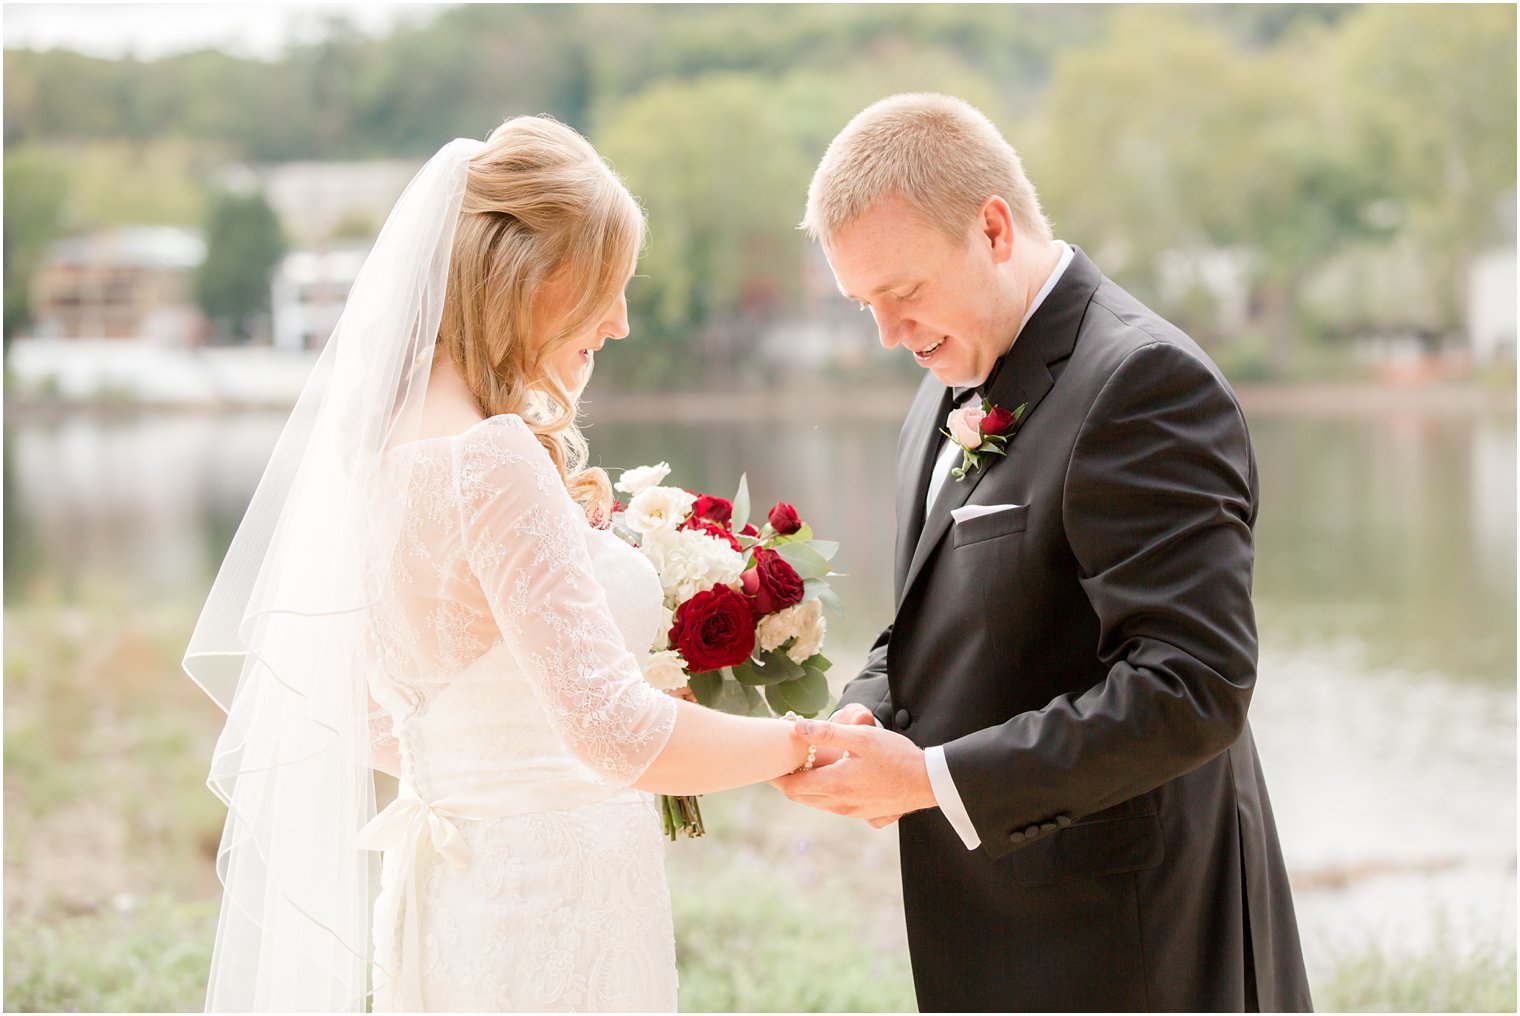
[110, 837]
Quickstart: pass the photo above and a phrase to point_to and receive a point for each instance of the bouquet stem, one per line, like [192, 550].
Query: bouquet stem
[681, 814]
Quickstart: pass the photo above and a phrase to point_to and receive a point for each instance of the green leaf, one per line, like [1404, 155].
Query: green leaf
[707, 687]
[757, 702]
[805, 561]
[802, 535]
[806, 696]
[741, 505]
[772, 668]
[825, 548]
[726, 694]
[818, 589]
[818, 662]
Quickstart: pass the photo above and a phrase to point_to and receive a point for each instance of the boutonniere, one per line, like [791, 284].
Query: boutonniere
[979, 431]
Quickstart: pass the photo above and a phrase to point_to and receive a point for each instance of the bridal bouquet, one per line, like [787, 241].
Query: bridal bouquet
[745, 604]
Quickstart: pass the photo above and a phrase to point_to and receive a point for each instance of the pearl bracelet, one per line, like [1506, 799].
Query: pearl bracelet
[812, 754]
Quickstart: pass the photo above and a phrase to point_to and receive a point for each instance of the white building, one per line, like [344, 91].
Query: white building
[1491, 306]
[308, 294]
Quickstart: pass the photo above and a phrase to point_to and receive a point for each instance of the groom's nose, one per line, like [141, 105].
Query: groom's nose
[889, 328]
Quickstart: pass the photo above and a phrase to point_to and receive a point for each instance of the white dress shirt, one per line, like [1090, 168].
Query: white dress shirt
[945, 794]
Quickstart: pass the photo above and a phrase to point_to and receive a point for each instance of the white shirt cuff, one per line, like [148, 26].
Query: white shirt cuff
[948, 798]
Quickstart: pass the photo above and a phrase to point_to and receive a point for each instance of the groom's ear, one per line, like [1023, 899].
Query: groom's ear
[995, 228]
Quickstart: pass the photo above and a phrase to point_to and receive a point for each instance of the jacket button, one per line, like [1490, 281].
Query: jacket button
[1063, 821]
[1017, 837]
[904, 719]
[1032, 832]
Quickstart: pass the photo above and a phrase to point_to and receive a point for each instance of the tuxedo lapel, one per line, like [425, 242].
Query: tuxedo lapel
[917, 450]
[1024, 379]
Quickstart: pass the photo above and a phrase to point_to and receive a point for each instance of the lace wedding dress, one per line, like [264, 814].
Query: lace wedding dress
[521, 872]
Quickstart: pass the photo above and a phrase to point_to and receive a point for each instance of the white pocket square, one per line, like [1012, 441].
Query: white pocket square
[976, 511]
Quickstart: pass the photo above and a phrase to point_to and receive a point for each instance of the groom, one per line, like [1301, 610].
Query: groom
[1058, 709]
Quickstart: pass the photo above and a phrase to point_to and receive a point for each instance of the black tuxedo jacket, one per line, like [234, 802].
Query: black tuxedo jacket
[1086, 656]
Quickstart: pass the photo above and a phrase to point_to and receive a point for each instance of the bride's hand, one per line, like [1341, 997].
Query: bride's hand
[684, 692]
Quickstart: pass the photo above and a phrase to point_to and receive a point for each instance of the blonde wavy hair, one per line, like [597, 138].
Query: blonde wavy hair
[539, 205]
[938, 153]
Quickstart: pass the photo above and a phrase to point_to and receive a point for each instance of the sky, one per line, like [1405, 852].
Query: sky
[150, 31]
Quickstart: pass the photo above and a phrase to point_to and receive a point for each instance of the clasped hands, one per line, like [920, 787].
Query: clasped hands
[860, 770]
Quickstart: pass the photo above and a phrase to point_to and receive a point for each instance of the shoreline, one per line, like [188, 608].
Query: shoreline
[877, 402]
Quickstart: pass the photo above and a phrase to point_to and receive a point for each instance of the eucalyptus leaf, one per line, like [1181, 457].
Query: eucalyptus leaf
[741, 505]
[805, 561]
[707, 687]
[738, 699]
[806, 696]
[825, 595]
[780, 663]
[826, 548]
[818, 662]
[771, 668]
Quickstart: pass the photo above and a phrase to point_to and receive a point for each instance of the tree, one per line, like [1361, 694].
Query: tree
[1428, 100]
[1167, 136]
[36, 186]
[243, 246]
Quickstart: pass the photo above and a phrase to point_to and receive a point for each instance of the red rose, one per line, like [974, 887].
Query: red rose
[716, 532]
[772, 583]
[719, 511]
[997, 422]
[714, 629]
[749, 530]
[783, 519]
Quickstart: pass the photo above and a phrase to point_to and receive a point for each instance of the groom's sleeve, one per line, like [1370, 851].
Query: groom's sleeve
[869, 687]
[1159, 501]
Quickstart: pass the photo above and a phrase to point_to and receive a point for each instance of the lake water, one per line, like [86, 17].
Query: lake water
[1385, 590]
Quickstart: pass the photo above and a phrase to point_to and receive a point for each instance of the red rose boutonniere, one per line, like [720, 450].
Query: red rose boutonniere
[981, 430]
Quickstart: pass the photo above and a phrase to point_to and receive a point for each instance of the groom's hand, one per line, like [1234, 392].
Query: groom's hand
[882, 778]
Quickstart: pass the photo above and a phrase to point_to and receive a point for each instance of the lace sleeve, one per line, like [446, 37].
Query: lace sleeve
[525, 543]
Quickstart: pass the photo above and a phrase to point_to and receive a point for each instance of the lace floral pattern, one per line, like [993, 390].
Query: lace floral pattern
[505, 631]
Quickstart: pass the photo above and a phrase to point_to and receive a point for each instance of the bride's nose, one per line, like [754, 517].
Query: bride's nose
[616, 325]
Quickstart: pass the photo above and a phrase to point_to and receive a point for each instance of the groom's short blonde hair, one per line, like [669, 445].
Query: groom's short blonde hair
[938, 153]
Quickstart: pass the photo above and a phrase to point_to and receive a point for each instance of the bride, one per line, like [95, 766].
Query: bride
[422, 584]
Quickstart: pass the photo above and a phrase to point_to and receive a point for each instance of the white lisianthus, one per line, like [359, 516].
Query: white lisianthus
[804, 623]
[658, 508]
[665, 670]
[636, 481]
[689, 561]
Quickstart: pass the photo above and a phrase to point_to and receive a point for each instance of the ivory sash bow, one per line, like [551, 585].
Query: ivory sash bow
[415, 826]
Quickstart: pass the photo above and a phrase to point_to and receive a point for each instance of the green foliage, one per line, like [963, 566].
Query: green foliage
[243, 247]
[36, 185]
[1371, 978]
[147, 955]
[739, 950]
[1289, 131]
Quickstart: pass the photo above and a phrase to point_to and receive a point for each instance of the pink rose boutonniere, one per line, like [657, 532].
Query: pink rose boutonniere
[981, 430]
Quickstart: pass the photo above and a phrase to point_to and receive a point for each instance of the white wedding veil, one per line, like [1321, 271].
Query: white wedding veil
[282, 641]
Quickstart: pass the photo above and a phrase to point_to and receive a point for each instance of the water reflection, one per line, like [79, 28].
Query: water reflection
[1385, 582]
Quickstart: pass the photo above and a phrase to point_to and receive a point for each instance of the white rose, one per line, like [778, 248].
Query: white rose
[634, 481]
[662, 632]
[803, 623]
[657, 508]
[665, 670]
[689, 561]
